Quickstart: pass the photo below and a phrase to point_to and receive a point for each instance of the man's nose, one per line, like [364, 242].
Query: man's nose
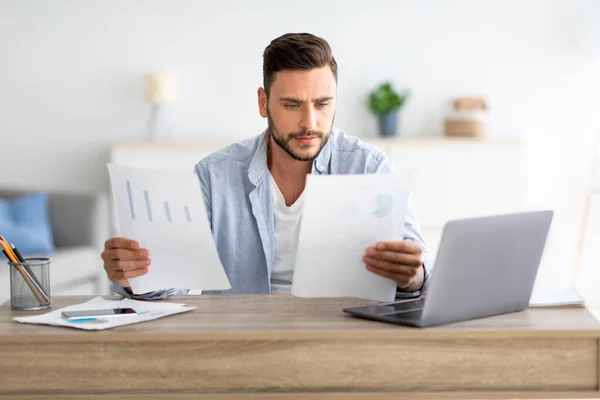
[309, 119]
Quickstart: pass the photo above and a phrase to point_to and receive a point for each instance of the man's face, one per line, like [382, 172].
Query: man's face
[300, 111]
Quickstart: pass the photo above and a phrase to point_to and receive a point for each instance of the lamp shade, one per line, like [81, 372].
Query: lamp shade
[160, 87]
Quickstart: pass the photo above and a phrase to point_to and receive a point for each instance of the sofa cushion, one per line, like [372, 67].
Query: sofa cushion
[24, 222]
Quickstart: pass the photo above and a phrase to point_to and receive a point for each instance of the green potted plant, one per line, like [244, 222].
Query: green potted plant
[385, 102]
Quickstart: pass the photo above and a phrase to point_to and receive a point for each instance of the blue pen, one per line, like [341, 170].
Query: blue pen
[84, 320]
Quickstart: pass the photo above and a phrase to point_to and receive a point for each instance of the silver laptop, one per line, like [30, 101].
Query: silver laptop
[485, 266]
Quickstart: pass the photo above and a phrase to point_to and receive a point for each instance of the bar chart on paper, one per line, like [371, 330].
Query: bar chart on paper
[165, 212]
[182, 211]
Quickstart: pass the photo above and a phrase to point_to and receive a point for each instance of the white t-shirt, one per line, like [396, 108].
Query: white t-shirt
[287, 231]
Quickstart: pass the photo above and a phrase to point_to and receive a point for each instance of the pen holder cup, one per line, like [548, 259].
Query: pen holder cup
[30, 284]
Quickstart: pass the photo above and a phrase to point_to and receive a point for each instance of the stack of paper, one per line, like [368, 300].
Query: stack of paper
[146, 311]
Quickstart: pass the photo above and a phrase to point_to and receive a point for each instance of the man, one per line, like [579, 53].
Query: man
[253, 189]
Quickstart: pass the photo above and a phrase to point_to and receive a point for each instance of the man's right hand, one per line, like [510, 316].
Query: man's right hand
[124, 259]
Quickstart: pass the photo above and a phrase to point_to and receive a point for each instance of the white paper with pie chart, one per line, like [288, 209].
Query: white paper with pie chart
[344, 215]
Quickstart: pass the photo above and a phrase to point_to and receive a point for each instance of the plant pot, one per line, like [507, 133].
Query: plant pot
[388, 124]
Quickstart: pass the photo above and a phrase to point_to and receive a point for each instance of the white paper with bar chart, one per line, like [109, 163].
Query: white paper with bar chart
[164, 211]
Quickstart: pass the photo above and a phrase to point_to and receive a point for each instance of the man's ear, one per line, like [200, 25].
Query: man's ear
[262, 102]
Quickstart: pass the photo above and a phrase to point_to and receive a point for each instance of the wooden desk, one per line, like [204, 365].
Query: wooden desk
[270, 347]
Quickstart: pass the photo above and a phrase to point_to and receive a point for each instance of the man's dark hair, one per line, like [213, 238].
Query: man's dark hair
[296, 51]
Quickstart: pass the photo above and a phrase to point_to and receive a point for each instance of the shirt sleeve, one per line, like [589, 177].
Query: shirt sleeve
[412, 231]
[202, 173]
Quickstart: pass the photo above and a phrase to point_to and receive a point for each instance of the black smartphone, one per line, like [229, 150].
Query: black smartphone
[113, 312]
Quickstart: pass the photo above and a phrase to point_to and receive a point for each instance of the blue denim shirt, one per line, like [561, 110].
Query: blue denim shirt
[236, 191]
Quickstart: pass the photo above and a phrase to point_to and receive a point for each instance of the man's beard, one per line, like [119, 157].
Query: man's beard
[284, 142]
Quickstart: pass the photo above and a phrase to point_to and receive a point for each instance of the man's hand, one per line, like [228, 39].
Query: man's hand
[123, 259]
[400, 261]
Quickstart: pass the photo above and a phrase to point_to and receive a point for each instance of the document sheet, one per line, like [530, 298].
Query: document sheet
[343, 216]
[165, 213]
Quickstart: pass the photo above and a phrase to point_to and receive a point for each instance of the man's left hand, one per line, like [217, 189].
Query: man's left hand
[400, 261]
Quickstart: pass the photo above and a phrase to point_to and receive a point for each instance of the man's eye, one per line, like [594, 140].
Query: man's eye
[291, 106]
[322, 105]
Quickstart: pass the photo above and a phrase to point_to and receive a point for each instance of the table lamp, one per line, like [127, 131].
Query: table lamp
[160, 90]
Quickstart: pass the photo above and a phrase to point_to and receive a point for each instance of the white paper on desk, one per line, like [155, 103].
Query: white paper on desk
[146, 311]
[343, 215]
[555, 296]
[164, 212]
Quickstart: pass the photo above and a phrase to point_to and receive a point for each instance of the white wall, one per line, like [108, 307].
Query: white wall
[71, 76]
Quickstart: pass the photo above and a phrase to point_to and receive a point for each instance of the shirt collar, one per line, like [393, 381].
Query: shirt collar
[258, 165]
[322, 161]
